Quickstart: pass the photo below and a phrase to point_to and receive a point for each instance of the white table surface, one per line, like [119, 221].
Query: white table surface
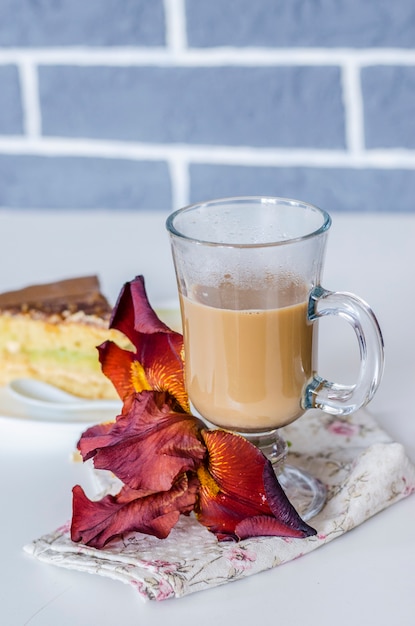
[364, 577]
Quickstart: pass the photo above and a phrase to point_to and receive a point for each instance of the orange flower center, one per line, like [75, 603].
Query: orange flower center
[207, 482]
[138, 377]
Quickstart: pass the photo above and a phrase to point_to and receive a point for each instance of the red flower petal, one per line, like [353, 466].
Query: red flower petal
[133, 314]
[96, 523]
[240, 495]
[118, 365]
[159, 350]
[281, 507]
[148, 446]
[266, 526]
[237, 468]
[94, 438]
[162, 358]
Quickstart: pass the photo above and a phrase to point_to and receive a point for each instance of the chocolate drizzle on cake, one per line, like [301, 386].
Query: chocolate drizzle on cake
[64, 297]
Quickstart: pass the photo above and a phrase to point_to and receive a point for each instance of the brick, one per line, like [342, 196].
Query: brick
[333, 189]
[389, 106]
[82, 22]
[11, 114]
[37, 182]
[300, 23]
[254, 106]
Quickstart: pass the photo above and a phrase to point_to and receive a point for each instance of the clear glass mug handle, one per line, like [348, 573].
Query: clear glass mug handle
[332, 397]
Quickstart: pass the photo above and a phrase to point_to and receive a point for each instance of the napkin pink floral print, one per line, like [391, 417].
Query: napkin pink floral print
[364, 470]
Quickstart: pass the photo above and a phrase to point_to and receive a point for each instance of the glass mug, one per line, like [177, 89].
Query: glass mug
[248, 273]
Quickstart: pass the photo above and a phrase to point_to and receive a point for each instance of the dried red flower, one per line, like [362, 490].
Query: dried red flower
[169, 463]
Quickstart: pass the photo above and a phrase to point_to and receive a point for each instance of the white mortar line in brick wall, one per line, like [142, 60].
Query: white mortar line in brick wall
[180, 181]
[208, 154]
[30, 98]
[176, 37]
[167, 56]
[353, 107]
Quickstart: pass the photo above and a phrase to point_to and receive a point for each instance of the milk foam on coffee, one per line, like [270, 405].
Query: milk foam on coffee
[248, 352]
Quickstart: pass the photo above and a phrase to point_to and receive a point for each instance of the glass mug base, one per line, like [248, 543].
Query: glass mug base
[305, 492]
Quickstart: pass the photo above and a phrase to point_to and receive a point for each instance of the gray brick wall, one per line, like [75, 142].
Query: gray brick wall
[151, 104]
[232, 106]
[40, 23]
[11, 114]
[301, 23]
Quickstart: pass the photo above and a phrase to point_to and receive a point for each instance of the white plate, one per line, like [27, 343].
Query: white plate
[12, 407]
[41, 396]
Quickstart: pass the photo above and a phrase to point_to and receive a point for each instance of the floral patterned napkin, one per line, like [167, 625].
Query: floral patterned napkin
[363, 469]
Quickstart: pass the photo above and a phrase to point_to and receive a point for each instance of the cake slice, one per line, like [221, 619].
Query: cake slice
[50, 332]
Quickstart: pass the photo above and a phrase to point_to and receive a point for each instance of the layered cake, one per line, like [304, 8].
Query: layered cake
[50, 332]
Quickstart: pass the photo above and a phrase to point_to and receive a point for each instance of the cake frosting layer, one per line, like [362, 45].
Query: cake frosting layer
[69, 295]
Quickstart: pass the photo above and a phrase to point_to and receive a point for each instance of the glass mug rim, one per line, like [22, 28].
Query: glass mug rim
[247, 200]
